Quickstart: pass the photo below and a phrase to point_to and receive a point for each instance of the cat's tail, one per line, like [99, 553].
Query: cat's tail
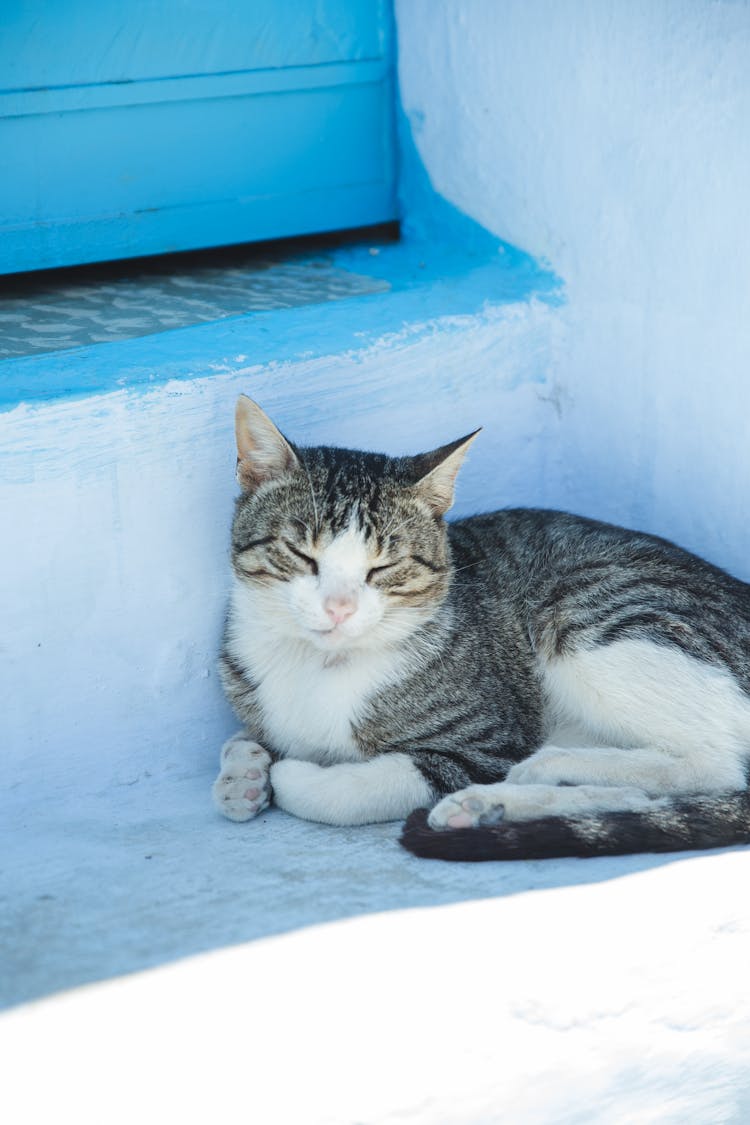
[683, 824]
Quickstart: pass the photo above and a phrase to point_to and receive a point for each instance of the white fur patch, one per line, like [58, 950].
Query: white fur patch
[384, 788]
[679, 725]
[488, 804]
[309, 707]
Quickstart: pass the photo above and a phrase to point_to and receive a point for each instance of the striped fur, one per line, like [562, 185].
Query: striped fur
[518, 648]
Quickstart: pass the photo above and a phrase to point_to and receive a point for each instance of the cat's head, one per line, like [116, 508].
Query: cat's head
[339, 548]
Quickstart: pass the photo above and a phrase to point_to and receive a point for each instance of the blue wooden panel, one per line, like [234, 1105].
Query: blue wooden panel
[143, 128]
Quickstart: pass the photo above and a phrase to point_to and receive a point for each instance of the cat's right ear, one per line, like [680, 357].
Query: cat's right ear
[262, 451]
[436, 473]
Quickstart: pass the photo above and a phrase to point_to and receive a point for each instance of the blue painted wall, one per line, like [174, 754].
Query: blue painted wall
[142, 128]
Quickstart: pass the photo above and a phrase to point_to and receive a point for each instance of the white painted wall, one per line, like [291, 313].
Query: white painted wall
[613, 139]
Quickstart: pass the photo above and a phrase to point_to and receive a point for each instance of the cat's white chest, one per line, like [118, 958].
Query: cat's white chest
[309, 710]
[309, 707]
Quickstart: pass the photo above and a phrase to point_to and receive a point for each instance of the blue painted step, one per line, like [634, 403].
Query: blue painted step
[409, 283]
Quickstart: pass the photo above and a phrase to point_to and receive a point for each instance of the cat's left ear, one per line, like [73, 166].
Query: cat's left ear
[437, 472]
[262, 450]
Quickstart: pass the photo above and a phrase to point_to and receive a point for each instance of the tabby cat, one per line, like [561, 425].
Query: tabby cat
[547, 684]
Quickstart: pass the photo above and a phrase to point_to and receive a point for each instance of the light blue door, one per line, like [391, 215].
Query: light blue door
[145, 127]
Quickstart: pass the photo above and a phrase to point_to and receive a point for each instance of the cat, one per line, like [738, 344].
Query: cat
[546, 684]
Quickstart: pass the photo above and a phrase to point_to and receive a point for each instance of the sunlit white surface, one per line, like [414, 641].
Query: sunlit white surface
[622, 1001]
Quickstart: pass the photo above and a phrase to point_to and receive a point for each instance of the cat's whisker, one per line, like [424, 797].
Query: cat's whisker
[301, 523]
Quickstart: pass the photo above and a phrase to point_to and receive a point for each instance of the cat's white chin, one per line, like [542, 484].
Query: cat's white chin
[327, 639]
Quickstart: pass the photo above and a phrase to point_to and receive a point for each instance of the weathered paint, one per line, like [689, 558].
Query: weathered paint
[427, 281]
[150, 128]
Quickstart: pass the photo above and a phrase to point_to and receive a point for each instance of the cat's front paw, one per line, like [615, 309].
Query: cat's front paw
[479, 804]
[242, 789]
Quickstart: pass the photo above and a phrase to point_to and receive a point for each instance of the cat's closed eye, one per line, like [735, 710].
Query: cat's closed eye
[269, 557]
[408, 561]
[379, 569]
[307, 559]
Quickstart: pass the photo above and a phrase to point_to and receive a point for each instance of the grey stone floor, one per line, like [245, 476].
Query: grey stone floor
[58, 309]
[120, 877]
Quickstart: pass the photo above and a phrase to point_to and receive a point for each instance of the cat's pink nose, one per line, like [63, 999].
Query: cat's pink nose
[338, 609]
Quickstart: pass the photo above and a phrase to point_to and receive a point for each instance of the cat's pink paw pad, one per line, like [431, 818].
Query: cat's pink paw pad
[460, 820]
[465, 809]
[241, 761]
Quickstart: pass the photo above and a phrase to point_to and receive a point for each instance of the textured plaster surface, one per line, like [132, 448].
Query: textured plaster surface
[612, 141]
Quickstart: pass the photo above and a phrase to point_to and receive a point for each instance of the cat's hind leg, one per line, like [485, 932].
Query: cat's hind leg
[488, 804]
[242, 789]
[656, 770]
[653, 716]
